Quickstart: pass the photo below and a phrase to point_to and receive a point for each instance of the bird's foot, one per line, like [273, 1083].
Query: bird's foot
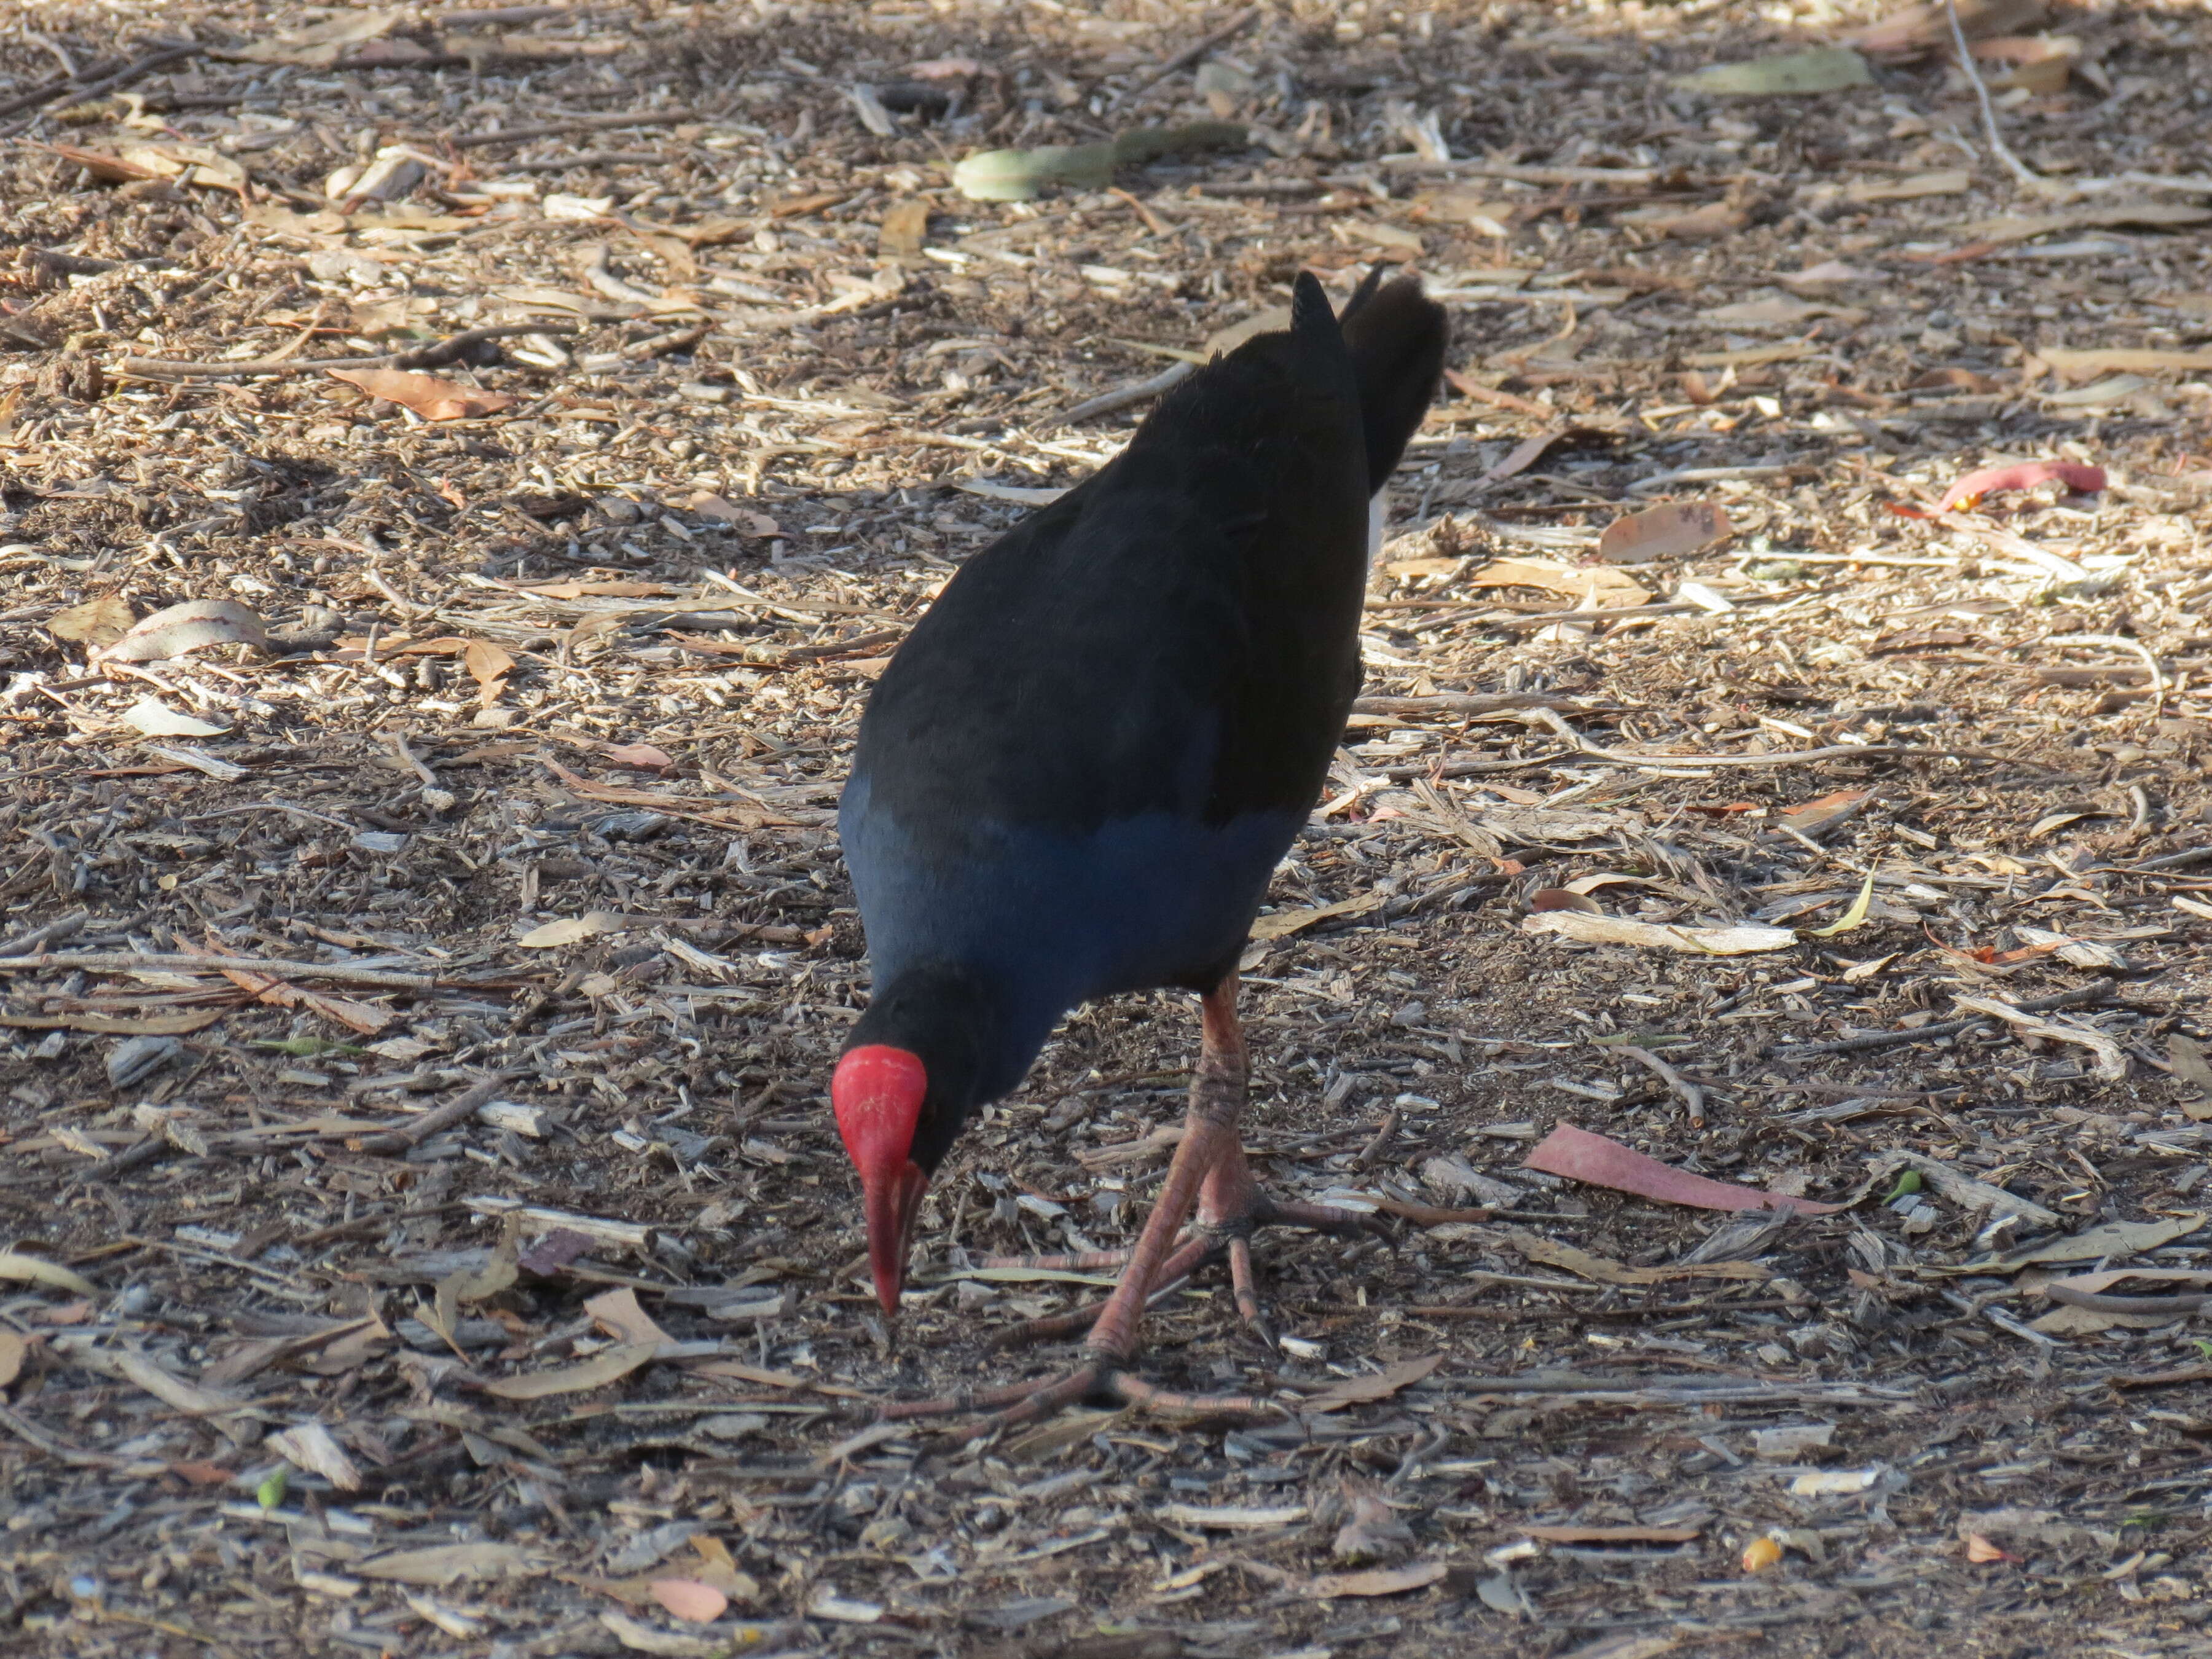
[1244, 1208]
[1101, 1378]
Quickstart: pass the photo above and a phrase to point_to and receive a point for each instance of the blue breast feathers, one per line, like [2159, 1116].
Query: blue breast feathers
[1055, 918]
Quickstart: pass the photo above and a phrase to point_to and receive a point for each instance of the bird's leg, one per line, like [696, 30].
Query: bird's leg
[1231, 1207]
[1217, 1101]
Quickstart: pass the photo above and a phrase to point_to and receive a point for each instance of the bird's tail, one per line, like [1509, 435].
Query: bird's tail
[1396, 334]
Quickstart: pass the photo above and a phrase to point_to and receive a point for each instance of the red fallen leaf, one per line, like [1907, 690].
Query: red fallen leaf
[1981, 1551]
[1664, 532]
[1578, 1155]
[638, 754]
[1906, 510]
[2081, 479]
[1559, 898]
[432, 399]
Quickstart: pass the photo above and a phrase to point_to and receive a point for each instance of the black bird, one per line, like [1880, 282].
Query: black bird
[1080, 769]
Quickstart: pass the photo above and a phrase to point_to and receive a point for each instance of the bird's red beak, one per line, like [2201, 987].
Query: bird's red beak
[878, 1093]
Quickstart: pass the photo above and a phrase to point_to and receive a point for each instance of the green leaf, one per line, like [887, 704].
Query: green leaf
[1907, 1182]
[1819, 69]
[1019, 175]
[1850, 918]
[270, 1494]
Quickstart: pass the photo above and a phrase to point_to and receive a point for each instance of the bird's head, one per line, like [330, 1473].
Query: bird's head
[879, 1093]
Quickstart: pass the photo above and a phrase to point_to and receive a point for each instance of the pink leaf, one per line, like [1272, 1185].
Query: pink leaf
[2083, 480]
[1664, 532]
[639, 753]
[686, 1598]
[1581, 1155]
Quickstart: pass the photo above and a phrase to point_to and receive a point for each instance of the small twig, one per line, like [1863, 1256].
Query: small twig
[1692, 1096]
[1142, 391]
[2096, 992]
[91, 90]
[590, 158]
[430, 357]
[461, 1108]
[61, 927]
[1833, 752]
[60, 53]
[2021, 170]
[130, 962]
[581, 123]
[2120, 642]
[1153, 222]
[1379, 1143]
[1190, 54]
[2097, 1302]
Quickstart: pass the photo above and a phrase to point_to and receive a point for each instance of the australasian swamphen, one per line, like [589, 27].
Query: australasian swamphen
[1080, 769]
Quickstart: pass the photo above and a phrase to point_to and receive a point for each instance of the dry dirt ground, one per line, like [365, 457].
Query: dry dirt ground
[426, 1231]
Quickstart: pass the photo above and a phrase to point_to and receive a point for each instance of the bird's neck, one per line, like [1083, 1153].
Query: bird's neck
[953, 1020]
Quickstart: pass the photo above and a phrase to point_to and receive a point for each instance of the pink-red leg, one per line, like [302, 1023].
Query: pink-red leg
[1217, 1101]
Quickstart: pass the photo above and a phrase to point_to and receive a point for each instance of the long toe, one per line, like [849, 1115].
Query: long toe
[1174, 1273]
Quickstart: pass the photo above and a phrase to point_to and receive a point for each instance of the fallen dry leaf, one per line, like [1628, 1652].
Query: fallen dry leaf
[609, 1365]
[1578, 1155]
[1281, 924]
[13, 1348]
[1598, 1269]
[1376, 1581]
[320, 44]
[95, 623]
[1816, 69]
[1696, 941]
[310, 1446]
[445, 1563]
[36, 1270]
[1357, 1390]
[179, 629]
[570, 930]
[1918, 28]
[153, 717]
[748, 522]
[427, 395]
[2117, 1239]
[1951, 181]
[1597, 588]
[488, 666]
[1664, 532]
[620, 1317]
[904, 225]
